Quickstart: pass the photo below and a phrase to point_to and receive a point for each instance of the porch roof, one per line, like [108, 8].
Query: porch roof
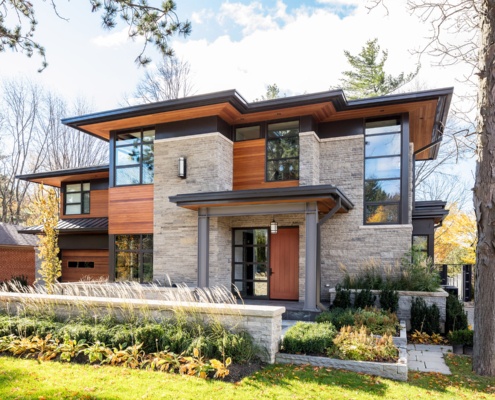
[430, 210]
[326, 196]
[73, 225]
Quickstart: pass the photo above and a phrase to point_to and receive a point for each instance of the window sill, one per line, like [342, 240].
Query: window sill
[385, 226]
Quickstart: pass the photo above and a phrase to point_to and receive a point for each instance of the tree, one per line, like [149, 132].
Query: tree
[171, 80]
[272, 92]
[45, 210]
[455, 240]
[156, 24]
[368, 77]
[475, 20]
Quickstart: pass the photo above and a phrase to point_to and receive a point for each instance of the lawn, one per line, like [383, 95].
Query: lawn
[26, 379]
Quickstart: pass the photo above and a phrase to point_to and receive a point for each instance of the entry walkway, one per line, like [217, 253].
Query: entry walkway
[427, 358]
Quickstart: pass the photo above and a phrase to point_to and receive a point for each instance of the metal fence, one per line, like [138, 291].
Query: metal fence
[458, 276]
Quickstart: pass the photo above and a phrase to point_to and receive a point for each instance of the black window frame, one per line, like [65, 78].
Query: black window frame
[81, 264]
[113, 155]
[82, 204]
[268, 139]
[244, 279]
[402, 179]
[140, 251]
[262, 127]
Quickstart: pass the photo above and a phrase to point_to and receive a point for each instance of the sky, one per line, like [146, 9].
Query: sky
[243, 45]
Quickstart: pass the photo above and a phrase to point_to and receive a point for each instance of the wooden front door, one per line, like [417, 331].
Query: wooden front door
[284, 264]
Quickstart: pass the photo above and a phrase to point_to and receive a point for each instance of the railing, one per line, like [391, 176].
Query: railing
[459, 276]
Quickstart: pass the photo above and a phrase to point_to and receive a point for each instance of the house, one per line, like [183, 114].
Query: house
[17, 253]
[270, 196]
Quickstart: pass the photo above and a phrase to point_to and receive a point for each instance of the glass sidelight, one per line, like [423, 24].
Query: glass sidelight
[250, 267]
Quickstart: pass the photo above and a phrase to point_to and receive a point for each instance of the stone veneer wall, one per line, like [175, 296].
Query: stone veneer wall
[346, 241]
[263, 323]
[209, 169]
[309, 159]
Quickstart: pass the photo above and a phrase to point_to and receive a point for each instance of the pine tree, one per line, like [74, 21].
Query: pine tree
[368, 77]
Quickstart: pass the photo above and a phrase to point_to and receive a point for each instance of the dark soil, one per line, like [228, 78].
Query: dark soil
[239, 371]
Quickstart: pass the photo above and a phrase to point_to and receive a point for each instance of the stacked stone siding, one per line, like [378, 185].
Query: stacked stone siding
[309, 159]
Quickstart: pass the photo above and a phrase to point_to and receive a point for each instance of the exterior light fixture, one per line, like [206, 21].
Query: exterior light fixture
[273, 227]
[182, 167]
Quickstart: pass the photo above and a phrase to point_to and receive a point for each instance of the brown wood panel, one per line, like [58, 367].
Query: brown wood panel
[249, 167]
[98, 207]
[284, 264]
[130, 210]
[99, 257]
[57, 181]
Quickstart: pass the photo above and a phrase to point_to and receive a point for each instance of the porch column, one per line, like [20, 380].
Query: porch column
[311, 256]
[203, 247]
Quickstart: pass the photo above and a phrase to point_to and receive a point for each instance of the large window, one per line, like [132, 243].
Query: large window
[250, 266]
[77, 197]
[382, 171]
[282, 151]
[134, 157]
[134, 258]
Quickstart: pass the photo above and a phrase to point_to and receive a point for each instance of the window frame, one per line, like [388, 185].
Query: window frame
[401, 121]
[140, 251]
[83, 263]
[268, 139]
[140, 163]
[82, 203]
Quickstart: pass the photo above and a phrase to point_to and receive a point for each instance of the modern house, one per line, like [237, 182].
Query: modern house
[17, 253]
[272, 197]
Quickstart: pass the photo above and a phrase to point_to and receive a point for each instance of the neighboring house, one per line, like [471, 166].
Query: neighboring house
[195, 186]
[17, 253]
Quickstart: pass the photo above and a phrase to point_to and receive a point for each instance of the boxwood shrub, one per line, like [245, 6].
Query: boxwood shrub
[309, 338]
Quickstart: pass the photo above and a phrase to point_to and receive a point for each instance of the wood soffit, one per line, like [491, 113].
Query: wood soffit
[57, 181]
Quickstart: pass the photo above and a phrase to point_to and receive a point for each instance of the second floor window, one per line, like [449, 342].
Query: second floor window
[134, 157]
[282, 151]
[77, 197]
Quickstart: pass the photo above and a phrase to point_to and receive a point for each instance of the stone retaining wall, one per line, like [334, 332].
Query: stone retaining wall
[263, 323]
[405, 300]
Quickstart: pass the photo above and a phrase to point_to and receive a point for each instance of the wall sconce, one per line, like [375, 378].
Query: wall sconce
[182, 167]
[273, 227]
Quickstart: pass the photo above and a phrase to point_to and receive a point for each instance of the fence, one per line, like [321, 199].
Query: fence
[458, 276]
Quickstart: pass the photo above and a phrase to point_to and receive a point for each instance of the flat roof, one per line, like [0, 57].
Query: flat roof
[56, 178]
[73, 225]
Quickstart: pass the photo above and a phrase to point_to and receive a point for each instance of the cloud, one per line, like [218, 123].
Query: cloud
[199, 17]
[113, 39]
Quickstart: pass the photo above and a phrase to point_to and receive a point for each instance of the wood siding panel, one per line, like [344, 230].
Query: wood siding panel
[99, 257]
[98, 206]
[130, 210]
[284, 264]
[249, 167]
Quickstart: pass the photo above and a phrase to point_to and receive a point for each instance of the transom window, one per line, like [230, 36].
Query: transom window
[250, 266]
[81, 264]
[134, 157]
[282, 151]
[77, 198]
[382, 171]
[134, 258]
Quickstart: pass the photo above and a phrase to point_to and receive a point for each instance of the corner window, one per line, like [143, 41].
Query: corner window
[134, 258]
[134, 157]
[247, 133]
[282, 151]
[382, 171]
[77, 196]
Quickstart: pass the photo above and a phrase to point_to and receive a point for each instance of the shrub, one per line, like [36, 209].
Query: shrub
[342, 297]
[376, 321]
[424, 318]
[389, 300]
[338, 317]
[463, 336]
[456, 318]
[151, 336]
[309, 338]
[364, 299]
[358, 345]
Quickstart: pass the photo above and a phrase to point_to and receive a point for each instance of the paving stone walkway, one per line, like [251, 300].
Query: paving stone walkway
[427, 358]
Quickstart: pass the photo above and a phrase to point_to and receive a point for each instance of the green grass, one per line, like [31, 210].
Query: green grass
[26, 379]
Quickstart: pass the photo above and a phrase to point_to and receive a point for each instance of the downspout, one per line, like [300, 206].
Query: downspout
[325, 218]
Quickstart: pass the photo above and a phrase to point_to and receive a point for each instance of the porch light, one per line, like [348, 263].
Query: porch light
[182, 167]
[273, 227]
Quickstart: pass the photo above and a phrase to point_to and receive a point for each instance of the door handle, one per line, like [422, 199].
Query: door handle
[271, 272]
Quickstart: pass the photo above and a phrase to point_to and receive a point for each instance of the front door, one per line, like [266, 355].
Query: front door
[284, 264]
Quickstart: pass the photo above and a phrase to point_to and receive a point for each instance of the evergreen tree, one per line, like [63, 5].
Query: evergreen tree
[368, 77]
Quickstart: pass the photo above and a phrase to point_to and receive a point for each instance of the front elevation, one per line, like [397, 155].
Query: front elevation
[269, 198]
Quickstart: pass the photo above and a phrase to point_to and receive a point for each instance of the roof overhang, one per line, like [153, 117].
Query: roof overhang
[73, 225]
[326, 196]
[430, 210]
[56, 178]
[427, 110]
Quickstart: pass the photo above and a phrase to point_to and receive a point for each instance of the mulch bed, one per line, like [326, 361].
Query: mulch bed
[239, 371]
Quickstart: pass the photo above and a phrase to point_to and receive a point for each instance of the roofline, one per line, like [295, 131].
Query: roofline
[337, 97]
[64, 172]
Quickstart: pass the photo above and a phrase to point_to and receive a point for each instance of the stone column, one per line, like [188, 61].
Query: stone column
[311, 256]
[203, 247]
